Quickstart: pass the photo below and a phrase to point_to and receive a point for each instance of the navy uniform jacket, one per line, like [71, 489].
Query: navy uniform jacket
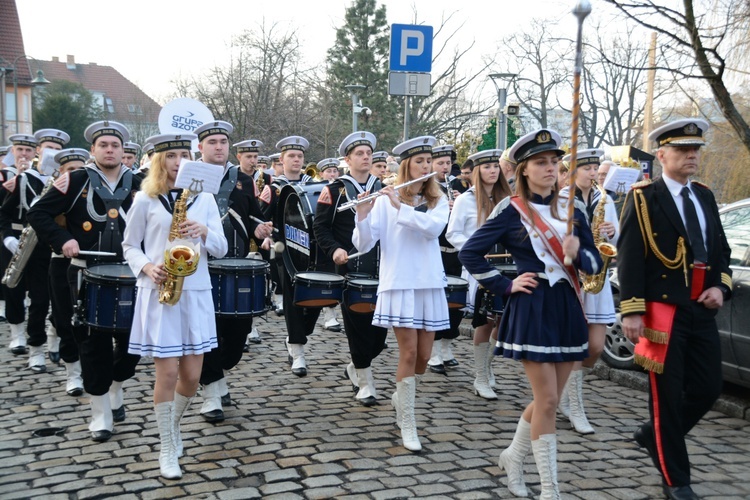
[643, 276]
[504, 225]
[14, 208]
[84, 211]
[242, 204]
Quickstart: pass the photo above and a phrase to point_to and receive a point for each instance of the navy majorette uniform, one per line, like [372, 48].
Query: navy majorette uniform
[663, 267]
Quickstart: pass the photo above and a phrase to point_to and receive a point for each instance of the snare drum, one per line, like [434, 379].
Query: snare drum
[361, 293]
[455, 292]
[317, 289]
[239, 286]
[109, 291]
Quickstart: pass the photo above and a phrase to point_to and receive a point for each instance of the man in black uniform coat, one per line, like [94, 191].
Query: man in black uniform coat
[94, 201]
[673, 264]
[237, 203]
[333, 232]
[22, 191]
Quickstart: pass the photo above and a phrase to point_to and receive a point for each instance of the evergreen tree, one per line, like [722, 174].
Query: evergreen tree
[489, 137]
[66, 106]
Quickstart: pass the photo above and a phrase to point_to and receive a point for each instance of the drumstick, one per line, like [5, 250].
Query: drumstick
[497, 256]
[94, 253]
[259, 221]
[355, 255]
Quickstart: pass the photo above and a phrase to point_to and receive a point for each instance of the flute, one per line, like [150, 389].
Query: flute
[370, 197]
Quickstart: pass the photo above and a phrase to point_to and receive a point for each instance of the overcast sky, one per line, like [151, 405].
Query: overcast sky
[153, 42]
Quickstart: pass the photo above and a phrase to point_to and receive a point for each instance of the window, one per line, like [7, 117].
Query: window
[135, 109]
[110, 105]
[10, 107]
[736, 224]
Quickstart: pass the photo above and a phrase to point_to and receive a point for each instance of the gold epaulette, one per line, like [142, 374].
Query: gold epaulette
[633, 305]
[726, 280]
[699, 184]
[641, 184]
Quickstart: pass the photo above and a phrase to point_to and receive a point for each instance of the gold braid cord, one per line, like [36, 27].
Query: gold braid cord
[644, 221]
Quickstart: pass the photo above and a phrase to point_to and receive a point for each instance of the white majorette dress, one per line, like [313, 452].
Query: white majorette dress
[462, 224]
[188, 327]
[599, 307]
[411, 291]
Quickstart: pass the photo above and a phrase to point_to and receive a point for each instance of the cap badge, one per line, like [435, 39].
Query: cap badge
[425, 141]
[362, 135]
[691, 129]
[177, 137]
[296, 141]
[106, 123]
[543, 137]
[252, 143]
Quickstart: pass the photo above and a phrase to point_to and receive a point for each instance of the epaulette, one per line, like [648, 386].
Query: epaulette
[700, 184]
[504, 203]
[641, 184]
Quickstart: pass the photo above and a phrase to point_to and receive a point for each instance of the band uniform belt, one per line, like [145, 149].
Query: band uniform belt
[448, 249]
[17, 227]
[75, 261]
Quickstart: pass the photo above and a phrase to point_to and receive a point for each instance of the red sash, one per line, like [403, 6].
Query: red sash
[551, 240]
[651, 349]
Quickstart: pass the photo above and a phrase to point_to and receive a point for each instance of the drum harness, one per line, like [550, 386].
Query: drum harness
[223, 202]
[352, 189]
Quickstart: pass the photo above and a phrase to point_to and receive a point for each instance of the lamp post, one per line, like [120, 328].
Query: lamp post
[4, 70]
[356, 104]
[502, 94]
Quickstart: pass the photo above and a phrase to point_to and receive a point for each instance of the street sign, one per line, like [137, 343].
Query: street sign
[411, 48]
[414, 84]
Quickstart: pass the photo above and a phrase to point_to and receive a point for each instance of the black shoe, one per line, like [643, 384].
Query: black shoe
[333, 328]
[101, 436]
[3, 319]
[75, 392]
[300, 372]
[254, 340]
[226, 400]
[646, 441]
[368, 401]
[437, 369]
[346, 376]
[451, 363]
[39, 368]
[118, 414]
[679, 492]
[18, 350]
[213, 416]
[54, 357]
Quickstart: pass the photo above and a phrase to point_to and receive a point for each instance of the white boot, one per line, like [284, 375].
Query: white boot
[279, 304]
[406, 396]
[74, 383]
[367, 394]
[297, 358]
[511, 459]
[53, 344]
[101, 425]
[116, 401]
[168, 465]
[446, 346]
[490, 357]
[545, 455]
[481, 382]
[574, 388]
[396, 405]
[212, 410]
[437, 354]
[564, 404]
[181, 404]
[351, 373]
[36, 359]
[330, 321]
[254, 336]
[18, 339]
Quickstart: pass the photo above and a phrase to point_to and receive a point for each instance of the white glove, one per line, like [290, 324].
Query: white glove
[11, 243]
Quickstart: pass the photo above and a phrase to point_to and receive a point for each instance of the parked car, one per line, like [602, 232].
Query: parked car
[733, 320]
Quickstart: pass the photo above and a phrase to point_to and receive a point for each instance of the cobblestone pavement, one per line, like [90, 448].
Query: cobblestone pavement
[290, 437]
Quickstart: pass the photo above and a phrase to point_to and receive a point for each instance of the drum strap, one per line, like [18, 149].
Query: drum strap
[111, 238]
[367, 263]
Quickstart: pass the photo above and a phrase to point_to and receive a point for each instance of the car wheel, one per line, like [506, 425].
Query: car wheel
[618, 350]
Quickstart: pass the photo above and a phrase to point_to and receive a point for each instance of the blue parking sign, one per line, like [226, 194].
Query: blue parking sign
[411, 48]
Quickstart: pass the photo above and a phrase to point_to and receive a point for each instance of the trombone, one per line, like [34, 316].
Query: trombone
[370, 197]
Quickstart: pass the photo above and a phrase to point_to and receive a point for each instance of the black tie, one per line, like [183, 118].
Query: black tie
[693, 227]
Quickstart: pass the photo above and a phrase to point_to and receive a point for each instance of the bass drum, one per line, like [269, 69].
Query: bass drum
[297, 203]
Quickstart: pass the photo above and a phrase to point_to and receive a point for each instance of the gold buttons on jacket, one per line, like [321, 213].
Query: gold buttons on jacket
[550, 269]
[663, 276]
[542, 254]
[664, 296]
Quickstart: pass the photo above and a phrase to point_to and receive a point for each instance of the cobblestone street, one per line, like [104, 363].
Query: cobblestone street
[289, 437]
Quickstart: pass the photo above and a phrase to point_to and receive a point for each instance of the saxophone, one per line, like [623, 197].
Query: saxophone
[260, 182]
[181, 256]
[26, 244]
[593, 283]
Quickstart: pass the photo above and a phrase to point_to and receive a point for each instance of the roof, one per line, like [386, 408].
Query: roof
[107, 81]
[11, 42]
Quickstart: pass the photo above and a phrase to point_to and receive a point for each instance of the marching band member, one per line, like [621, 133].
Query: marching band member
[93, 200]
[599, 307]
[59, 290]
[237, 201]
[175, 336]
[470, 211]
[130, 155]
[442, 352]
[543, 325]
[264, 165]
[276, 165]
[333, 232]
[673, 266]
[379, 167]
[411, 298]
[22, 190]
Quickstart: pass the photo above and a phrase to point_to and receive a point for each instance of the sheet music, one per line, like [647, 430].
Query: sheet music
[619, 179]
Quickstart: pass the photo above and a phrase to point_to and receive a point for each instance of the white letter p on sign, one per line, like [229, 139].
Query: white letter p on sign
[405, 50]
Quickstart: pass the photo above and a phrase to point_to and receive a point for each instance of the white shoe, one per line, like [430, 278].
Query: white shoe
[36, 359]
[297, 358]
[330, 321]
[74, 382]
[407, 394]
[211, 410]
[53, 344]
[254, 336]
[18, 339]
[279, 305]
[574, 388]
[481, 382]
[181, 404]
[367, 395]
[101, 418]
[545, 455]
[168, 464]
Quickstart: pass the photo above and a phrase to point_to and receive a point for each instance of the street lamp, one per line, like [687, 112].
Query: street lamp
[4, 70]
[502, 94]
[357, 104]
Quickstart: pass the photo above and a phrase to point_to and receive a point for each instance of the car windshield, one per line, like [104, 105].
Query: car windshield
[736, 224]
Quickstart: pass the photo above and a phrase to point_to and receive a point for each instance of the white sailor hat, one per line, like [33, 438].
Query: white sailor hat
[506, 156]
[685, 132]
[168, 142]
[444, 150]
[213, 128]
[52, 135]
[534, 143]
[274, 157]
[72, 154]
[265, 160]
[248, 146]
[586, 157]
[23, 140]
[106, 127]
[328, 163]
[292, 142]
[361, 138]
[422, 144]
[486, 156]
[380, 156]
[148, 148]
[131, 147]
[4, 150]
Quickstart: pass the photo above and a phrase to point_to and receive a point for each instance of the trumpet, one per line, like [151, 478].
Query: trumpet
[370, 197]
